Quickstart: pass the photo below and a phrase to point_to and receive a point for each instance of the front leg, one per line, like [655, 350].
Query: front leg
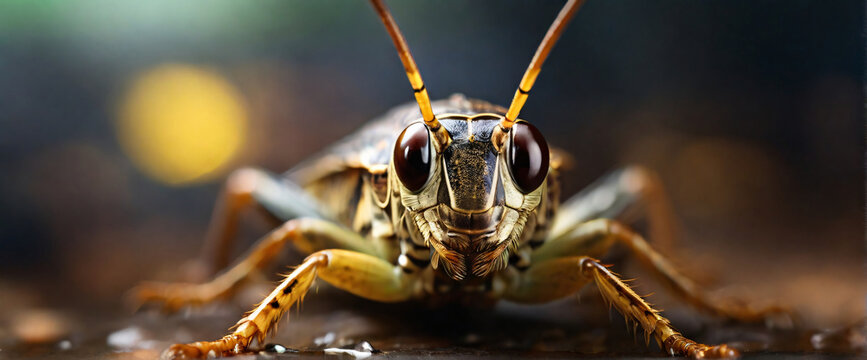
[596, 236]
[307, 234]
[363, 275]
[557, 278]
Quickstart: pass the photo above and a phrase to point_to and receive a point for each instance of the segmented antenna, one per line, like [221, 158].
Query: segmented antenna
[409, 64]
[536, 64]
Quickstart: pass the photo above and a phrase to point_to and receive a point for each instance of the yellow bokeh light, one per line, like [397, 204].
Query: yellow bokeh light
[181, 124]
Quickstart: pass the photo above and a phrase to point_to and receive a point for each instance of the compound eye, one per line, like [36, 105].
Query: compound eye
[528, 157]
[412, 156]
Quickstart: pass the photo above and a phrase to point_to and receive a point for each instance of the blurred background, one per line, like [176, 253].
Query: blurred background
[120, 119]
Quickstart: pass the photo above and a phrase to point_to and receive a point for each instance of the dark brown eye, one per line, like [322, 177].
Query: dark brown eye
[412, 156]
[528, 157]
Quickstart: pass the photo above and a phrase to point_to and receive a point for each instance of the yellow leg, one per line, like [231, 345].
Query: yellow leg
[595, 237]
[557, 278]
[306, 234]
[363, 275]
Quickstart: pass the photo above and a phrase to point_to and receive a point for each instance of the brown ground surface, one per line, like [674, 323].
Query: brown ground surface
[565, 329]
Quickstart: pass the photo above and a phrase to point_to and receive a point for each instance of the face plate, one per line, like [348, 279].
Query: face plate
[470, 212]
[470, 163]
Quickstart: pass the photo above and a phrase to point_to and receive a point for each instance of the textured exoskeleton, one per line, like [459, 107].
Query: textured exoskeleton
[453, 199]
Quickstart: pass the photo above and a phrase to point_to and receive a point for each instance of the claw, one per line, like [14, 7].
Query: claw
[716, 352]
[679, 345]
[132, 300]
[181, 351]
[152, 293]
[773, 315]
[228, 345]
[171, 297]
[724, 351]
[781, 317]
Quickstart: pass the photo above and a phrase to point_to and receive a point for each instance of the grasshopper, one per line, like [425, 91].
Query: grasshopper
[450, 199]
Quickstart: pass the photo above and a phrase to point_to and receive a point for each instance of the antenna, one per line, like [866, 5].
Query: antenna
[532, 72]
[408, 64]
